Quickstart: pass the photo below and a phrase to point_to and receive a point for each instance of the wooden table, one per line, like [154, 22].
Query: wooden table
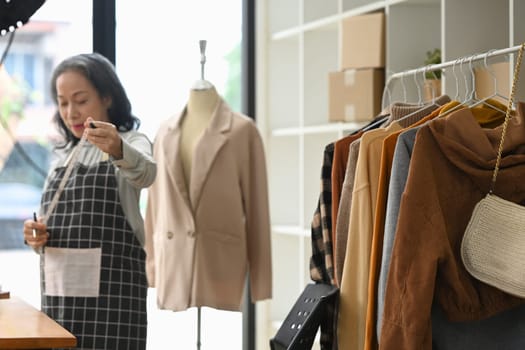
[24, 327]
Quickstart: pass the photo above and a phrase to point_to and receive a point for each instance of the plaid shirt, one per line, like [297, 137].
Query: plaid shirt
[321, 261]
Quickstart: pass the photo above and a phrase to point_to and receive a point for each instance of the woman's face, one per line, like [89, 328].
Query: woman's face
[77, 100]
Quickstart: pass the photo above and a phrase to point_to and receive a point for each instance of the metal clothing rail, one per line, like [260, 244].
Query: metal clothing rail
[452, 63]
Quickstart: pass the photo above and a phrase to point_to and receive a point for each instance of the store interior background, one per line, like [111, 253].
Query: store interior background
[298, 44]
[158, 60]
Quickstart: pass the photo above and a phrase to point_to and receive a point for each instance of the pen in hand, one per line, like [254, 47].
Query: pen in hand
[36, 220]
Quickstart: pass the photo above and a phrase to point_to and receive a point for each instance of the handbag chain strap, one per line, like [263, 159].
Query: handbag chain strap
[507, 116]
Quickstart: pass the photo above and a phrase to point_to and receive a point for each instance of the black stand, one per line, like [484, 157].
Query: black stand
[198, 328]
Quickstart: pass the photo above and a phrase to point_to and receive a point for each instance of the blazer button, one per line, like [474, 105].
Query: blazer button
[170, 235]
[191, 233]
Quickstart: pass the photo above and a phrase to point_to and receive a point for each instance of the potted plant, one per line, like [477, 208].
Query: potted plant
[432, 83]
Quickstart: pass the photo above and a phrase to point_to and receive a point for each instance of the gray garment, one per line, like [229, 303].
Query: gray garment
[343, 213]
[134, 172]
[503, 331]
[398, 179]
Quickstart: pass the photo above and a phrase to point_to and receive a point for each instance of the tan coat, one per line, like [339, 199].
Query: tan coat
[201, 242]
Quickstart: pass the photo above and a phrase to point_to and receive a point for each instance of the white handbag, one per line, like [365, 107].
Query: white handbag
[493, 247]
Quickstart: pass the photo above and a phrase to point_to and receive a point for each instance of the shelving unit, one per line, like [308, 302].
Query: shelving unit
[298, 44]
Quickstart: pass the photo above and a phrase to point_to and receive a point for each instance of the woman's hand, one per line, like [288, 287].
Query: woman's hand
[40, 236]
[105, 136]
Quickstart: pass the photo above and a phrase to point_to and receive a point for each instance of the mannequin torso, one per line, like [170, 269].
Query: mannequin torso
[199, 111]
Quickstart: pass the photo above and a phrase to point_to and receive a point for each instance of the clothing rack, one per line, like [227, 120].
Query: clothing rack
[452, 63]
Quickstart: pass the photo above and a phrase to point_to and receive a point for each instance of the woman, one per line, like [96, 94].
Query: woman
[91, 236]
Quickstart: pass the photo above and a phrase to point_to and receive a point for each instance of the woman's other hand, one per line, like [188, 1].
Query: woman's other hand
[39, 237]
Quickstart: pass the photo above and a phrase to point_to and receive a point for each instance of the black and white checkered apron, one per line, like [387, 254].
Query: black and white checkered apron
[89, 215]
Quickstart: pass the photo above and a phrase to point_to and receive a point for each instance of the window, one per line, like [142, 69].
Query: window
[158, 59]
[58, 28]
[159, 73]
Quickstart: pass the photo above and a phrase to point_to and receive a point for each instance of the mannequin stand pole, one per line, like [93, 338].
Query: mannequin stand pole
[198, 328]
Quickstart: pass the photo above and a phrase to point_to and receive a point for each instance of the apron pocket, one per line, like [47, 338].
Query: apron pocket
[72, 272]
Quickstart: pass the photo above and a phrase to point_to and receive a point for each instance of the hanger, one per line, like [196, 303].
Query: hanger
[461, 103]
[456, 95]
[465, 100]
[486, 100]
[470, 94]
[387, 95]
[418, 89]
[433, 103]
[471, 100]
[373, 124]
[404, 89]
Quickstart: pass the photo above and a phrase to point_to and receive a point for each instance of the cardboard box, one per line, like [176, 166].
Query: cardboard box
[355, 95]
[485, 81]
[363, 41]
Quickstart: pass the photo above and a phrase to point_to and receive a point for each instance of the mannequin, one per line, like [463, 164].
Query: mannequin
[199, 111]
[207, 219]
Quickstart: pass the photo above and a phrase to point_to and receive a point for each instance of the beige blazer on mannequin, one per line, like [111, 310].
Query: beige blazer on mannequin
[202, 241]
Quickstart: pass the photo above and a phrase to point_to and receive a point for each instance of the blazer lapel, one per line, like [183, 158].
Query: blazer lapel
[206, 150]
[170, 146]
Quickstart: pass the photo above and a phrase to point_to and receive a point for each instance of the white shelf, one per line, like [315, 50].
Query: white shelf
[328, 21]
[291, 230]
[320, 23]
[318, 129]
[298, 44]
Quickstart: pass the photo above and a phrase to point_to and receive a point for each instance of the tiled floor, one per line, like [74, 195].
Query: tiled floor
[166, 329]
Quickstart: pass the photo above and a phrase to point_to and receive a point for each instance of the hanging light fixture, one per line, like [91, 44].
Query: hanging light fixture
[15, 13]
